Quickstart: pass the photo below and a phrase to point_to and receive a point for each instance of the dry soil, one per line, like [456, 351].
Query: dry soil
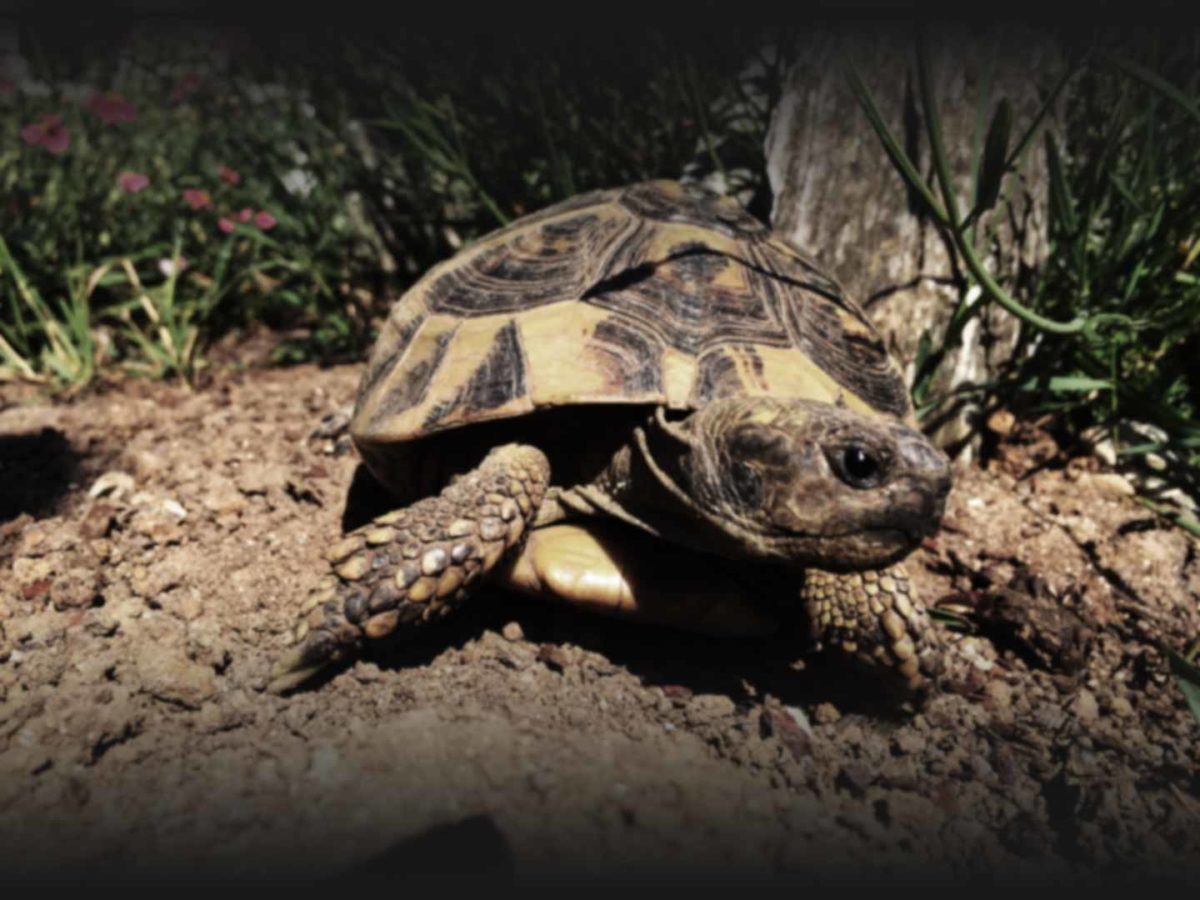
[155, 542]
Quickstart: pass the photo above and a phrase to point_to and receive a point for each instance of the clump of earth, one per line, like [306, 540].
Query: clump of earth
[156, 542]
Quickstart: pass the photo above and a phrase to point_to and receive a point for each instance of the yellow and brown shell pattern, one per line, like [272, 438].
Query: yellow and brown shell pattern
[656, 293]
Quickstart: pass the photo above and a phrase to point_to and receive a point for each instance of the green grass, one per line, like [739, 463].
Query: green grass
[1110, 335]
[417, 145]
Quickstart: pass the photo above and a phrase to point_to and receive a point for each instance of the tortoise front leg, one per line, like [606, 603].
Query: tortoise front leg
[874, 617]
[415, 564]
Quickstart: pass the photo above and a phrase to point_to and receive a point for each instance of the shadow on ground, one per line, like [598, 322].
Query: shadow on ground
[36, 472]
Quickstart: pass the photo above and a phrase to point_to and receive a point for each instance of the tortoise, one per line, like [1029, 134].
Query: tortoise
[643, 401]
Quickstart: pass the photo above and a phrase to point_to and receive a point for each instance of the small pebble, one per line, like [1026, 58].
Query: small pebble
[513, 632]
[116, 484]
[1112, 484]
[1121, 707]
[997, 695]
[826, 714]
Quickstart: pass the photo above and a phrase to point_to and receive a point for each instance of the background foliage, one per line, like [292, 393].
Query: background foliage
[304, 202]
[164, 186]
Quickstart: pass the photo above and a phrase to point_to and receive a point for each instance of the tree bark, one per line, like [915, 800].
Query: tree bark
[839, 198]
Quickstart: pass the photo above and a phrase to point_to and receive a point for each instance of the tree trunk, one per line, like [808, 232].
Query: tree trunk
[839, 198]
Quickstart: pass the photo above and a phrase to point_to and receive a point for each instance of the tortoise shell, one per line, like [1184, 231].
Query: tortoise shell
[655, 293]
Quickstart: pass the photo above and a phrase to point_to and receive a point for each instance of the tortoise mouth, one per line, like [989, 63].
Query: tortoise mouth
[906, 523]
[912, 528]
[862, 548]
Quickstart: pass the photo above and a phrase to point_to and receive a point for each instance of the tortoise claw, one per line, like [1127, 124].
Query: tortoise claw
[301, 663]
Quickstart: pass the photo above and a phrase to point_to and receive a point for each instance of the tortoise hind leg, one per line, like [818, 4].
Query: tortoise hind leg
[415, 564]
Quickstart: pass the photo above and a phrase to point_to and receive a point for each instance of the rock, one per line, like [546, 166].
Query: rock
[1110, 484]
[159, 530]
[225, 500]
[1001, 422]
[167, 674]
[48, 536]
[777, 722]
[75, 589]
[1087, 710]
[1105, 450]
[188, 604]
[147, 464]
[552, 657]
[855, 777]
[906, 742]
[33, 575]
[997, 695]
[34, 589]
[516, 656]
[259, 478]
[1120, 706]
[826, 714]
[711, 706]
[679, 693]
[98, 521]
[116, 485]
[801, 719]
[513, 632]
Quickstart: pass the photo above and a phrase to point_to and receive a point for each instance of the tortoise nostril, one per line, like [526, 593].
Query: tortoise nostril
[918, 453]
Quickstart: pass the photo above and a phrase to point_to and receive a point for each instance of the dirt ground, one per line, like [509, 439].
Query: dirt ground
[155, 543]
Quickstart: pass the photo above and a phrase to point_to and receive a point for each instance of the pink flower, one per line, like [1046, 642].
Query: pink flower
[49, 133]
[111, 108]
[264, 220]
[245, 215]
[228, 175]
[132, 182]
[197, 198]
[226, 225]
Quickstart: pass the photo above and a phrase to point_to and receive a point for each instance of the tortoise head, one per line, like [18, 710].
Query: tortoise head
[807, 482]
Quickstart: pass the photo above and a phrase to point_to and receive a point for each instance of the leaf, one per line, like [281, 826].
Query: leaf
[1078, 384]
[891, 146]
[1065, 384]
[1158, 83]
[952, 620]
[1062, 204]
[995, 150]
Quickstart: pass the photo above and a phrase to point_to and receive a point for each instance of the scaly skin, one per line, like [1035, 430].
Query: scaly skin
[416, 564]
[873, 617]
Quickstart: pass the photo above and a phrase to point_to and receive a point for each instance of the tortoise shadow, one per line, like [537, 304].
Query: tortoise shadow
[470, 853]
[745, 670]
[366, 498]
[37, 470]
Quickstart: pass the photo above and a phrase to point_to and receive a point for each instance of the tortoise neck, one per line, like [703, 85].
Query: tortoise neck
[643, 483]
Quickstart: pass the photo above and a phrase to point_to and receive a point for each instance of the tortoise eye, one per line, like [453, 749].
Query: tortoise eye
[858, 467]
